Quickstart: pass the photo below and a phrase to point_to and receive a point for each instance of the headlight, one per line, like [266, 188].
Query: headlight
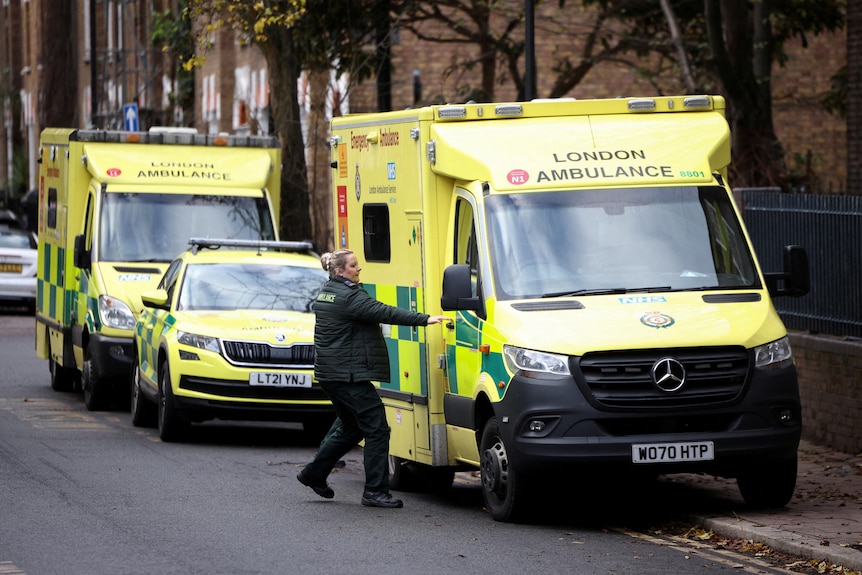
[115, 313]
[530, 360]
[773, 355]
[200, 341]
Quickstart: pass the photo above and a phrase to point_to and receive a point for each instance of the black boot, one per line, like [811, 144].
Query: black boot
[380, 499]
[322, 489]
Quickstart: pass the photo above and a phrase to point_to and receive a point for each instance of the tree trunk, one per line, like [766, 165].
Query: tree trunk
[319, 158]
[854, 97]
[294, 220]
[59, 97]
[744, 68]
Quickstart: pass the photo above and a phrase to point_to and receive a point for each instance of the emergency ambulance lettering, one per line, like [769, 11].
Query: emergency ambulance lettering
[388, 138]
[600, 155]
[605, 173]
[358, 141]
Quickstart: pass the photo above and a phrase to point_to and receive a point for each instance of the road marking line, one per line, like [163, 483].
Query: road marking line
[51, 414]
[8, 568]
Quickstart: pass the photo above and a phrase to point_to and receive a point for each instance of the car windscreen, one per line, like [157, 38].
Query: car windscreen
[18, 240]
[229, 286]
[549, 244]
[154, 227]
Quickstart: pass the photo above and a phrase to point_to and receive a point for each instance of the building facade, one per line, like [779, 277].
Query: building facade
[109, 46]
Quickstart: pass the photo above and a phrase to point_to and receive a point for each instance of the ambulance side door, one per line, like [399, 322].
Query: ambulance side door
[463, 359]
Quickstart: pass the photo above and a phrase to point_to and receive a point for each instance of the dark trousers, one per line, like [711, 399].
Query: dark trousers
[362, 416]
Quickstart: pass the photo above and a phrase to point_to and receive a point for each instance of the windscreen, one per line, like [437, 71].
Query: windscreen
[250, 286]
[151, 227]
[551, 244]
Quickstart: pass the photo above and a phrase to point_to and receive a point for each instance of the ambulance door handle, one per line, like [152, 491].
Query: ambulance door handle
[450, 324]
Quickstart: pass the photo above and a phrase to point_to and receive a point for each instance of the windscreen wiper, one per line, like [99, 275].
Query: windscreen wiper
[605, 291]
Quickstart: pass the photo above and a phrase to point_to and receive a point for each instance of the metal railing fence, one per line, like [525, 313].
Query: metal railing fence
[829, 227]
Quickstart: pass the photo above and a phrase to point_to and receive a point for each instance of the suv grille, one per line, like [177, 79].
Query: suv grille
[713, 376]
[262, 354]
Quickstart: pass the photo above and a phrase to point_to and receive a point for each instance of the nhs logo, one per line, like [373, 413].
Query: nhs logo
[642, 299]
[390, 170]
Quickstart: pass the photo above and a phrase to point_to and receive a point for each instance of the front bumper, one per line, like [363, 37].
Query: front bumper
[762, 425]
[112, 357]
[201, 398]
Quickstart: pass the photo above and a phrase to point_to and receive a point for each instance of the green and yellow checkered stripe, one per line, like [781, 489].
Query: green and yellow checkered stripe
[408, 356]
[470, 333]
[52, 298]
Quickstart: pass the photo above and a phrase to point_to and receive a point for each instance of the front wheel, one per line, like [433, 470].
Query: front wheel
[504, 487]
[172, 426]
[142, 409]
[96, 389]
[62, 379]
[768, 485]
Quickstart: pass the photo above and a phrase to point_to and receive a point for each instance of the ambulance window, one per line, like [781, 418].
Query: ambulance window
[52, 208]
[375, 231]
[466, 248]
[169, 280]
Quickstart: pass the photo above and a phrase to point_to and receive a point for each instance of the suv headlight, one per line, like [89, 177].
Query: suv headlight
[115, 313]
[518, 358]
[199, 341]
[773, 355]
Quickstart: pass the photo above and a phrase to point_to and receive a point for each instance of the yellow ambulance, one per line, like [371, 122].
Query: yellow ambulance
[607, 311]
[114, 209]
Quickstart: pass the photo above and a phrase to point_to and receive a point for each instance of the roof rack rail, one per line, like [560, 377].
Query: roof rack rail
[215, 243]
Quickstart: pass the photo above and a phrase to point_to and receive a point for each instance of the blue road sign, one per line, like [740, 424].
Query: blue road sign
[130, 117]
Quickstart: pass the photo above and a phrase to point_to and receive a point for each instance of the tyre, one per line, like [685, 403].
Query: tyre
[96, 390]
[62, 379]
[172, 426]
[407, 475]
[436, 479]
[768, 486]
[142, 409]
[504, 487]
[401, 478]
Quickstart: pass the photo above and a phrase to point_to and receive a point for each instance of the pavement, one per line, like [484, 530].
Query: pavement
[823, 521]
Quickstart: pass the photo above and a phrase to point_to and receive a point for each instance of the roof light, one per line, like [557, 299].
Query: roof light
[214, 243]
[697, 103]
[642, 105]
[452, 112]
[509, 110]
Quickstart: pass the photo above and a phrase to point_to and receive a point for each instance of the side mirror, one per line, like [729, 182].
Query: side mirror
[458, 290]
[81, 256]
[157, 299]
[795, 280]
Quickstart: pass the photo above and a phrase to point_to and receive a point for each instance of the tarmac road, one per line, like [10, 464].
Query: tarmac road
[822, 522]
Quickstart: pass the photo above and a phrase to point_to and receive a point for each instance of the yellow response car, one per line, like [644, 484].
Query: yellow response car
[229, 334]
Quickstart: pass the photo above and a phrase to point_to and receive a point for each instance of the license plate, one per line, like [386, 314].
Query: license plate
[270, 379]
[673, 452]
[13, 268]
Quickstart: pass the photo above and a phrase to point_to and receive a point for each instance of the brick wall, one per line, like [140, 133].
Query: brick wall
[830, 384]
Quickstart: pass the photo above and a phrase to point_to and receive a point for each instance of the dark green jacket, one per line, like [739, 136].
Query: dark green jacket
[348, 341]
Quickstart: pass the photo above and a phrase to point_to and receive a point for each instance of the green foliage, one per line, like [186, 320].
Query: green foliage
[173, 34]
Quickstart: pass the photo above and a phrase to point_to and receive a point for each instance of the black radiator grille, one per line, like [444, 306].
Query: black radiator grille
[623, 379]
[262, 354]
